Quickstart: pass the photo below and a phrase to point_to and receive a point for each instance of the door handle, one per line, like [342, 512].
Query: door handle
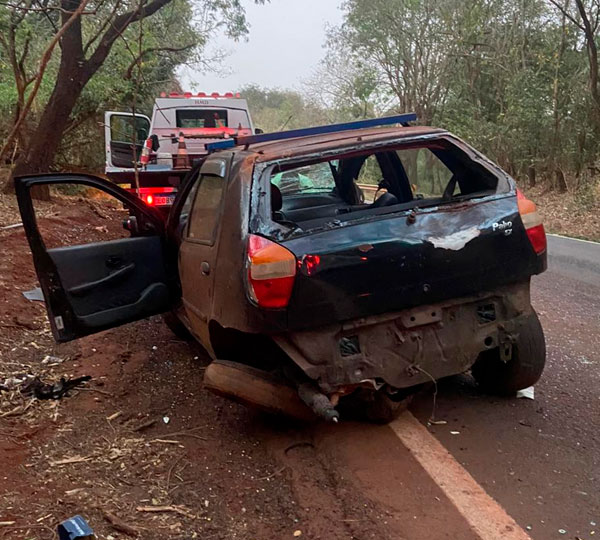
[84, 288]
[205, 268]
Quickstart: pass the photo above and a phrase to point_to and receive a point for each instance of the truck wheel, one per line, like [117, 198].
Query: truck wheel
[372, 406]
[176, 326]
[524, 368]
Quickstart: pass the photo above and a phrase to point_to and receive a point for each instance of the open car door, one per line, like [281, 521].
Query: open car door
[124, 136]
[99, 285]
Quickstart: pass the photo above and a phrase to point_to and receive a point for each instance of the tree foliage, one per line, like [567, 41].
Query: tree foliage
[275, 109]
[118, 54]
[518, 79]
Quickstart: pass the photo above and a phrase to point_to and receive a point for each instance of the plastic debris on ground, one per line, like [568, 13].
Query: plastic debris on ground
[75, 528]
[53, 360]
[527, 393]
[34, 295]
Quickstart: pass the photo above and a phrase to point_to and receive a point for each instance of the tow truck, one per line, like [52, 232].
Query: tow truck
[161, 150]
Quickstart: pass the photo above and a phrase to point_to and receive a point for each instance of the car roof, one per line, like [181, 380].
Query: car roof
[330, 141]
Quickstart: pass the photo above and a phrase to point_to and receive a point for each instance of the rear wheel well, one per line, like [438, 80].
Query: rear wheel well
[256, 350]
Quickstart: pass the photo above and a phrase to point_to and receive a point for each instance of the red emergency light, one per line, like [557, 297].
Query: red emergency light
[189, 95]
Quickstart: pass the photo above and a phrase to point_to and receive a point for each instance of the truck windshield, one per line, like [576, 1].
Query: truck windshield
[201, 118]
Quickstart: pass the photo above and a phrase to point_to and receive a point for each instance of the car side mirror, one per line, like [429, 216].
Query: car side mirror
[258, 131]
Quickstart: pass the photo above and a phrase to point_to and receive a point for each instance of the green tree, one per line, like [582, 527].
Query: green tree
[86, 43]
[509, 76]
[275, 109]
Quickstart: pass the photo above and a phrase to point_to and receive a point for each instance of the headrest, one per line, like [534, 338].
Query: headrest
[276, 198]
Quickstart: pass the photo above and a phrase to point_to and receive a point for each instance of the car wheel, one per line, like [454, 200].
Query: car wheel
[372, 406]
[524, 368]
[176, 326]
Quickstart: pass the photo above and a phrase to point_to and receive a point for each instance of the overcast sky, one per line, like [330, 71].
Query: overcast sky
[284, 46]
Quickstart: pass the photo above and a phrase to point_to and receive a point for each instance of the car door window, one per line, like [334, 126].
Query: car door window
[427, 175]
[79, 214]
[305, 180]
[369, 178]
[128, 129]
[206, 208]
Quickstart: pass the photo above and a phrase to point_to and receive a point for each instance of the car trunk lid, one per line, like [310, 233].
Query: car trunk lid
[398, 261]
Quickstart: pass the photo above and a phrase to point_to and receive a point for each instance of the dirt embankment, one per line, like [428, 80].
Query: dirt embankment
[576, 215]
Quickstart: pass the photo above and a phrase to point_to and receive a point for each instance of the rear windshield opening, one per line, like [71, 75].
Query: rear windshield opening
[201, 118]
[307, 196]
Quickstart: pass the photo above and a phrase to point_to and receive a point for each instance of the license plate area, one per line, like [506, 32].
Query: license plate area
[163, 200]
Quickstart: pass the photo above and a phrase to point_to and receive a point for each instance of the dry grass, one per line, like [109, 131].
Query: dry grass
[569, 214]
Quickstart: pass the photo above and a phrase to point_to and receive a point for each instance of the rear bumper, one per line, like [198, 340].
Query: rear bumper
[412, 346]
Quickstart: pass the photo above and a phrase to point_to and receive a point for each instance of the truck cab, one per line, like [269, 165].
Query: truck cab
[165, 147]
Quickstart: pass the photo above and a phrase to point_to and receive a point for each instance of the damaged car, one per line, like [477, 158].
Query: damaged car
[324, 270]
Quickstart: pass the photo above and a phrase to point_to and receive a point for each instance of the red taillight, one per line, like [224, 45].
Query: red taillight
[150, 200]
[537, 237]
[532, 222]
[271, 272]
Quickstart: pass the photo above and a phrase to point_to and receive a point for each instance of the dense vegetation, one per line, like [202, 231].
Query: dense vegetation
[63, 62]
[519, 79]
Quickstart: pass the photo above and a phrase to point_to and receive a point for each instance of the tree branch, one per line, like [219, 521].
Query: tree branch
[42, 9]
[102, 27]
[118, 26]
[567, 14]
[47, 15]
[140, 56]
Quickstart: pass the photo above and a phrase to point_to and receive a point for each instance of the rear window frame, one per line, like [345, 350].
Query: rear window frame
[261, 222]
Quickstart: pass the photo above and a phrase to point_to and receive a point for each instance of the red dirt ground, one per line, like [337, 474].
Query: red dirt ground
[207, 465]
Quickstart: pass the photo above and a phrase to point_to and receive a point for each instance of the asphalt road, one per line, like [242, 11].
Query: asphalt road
[539, 459]
[575, 259]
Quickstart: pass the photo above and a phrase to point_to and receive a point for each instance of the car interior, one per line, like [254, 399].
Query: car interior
[307, 195]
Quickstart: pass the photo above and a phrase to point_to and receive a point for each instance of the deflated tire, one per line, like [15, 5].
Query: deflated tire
[524, 368]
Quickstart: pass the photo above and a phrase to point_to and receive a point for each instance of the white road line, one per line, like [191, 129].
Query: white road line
[575, 239]
[485, 516]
